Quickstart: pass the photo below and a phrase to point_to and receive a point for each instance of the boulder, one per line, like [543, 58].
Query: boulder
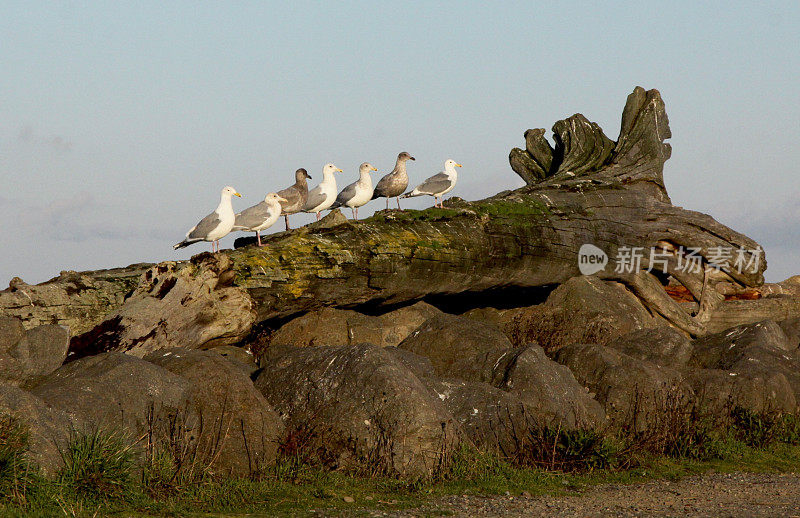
[633, 392]
[49, 430]
[756, 350]
[584, 309]
[116, 391]
[493, 419]
[452, 343]
[723, 349]
[241, 357]
[662, 345]
[190, 305]
[720, 390]
[332, 326]
[240, 430]
[549, 391]
[419, 365]
[357, 407]
[791, 328]
[28, 355]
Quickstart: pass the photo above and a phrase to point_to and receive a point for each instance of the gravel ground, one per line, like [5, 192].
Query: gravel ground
[715, 494]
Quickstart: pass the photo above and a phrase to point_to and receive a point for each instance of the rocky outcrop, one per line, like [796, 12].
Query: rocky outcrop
[49, 429]
[633, 392]
[550, 391]
[26, 355]
[240, 431]
[78, 300]
[191, 306]
[116, 391]
[582, 310]
[332, 326]
[662, 345]
[452, 343]
[358, 407]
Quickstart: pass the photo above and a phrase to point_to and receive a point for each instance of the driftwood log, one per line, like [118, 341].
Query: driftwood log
[585, 190]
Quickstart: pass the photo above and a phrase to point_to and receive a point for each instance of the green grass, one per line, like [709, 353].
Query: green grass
[103, 476]
[316, 488]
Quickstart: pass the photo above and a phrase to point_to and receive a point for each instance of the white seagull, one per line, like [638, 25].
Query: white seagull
[216, 225]
[323, 195]
[358, 193]
[260, 216]
[437, 185]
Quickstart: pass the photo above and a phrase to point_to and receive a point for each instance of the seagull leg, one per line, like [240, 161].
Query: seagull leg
[286, 220]
[353, 212]
[397, 199]
[318, 215]
[387, 203]
[258, 237]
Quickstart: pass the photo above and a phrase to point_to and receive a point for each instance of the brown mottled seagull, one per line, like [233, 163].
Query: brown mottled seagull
[395, 183]
[295, 196]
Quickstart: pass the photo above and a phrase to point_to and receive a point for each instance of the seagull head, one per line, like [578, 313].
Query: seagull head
[230, 191]
[366, 168]
[273, 197]
[450, 163]
[301, 174]
[330, 169]
[402, 157]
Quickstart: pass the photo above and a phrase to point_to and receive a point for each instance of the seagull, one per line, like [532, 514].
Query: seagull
[260, 216]
[438, 184]
[323, 195]
[216, 225]
[395, 183]
[296, 195]
[358, 193]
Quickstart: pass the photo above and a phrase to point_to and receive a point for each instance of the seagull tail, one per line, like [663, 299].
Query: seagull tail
[184, 243]
[411, 194]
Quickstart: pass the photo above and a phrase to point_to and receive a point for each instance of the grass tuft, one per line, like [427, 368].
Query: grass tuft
[98, 464]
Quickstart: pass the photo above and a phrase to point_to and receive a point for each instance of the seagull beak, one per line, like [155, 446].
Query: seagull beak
[340, 170]
[283, 199]
[374, 168]
[237, 194]
[412, 158]
[459, 165]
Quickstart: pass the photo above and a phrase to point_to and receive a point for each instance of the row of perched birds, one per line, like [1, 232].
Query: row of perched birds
[297, 198]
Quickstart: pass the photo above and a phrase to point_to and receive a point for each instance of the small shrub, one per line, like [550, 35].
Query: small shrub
[762, 429]
[570, 450]
[98, 464]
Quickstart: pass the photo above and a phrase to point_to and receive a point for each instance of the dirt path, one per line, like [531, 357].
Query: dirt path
[715, 494]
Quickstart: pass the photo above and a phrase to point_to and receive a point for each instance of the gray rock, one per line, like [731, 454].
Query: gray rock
[239, 356]
[452, 343]
[662, 345]
[241, 431]
[419, 365]
[358, 407]
[11, 332]
[332, 326]
[49, 429]
[549, 391]
[633, 392]
[494, 420]
[28, 355]
[723, 349]
[720, 390]
[191, 305]
[116, 391]
[584, 309]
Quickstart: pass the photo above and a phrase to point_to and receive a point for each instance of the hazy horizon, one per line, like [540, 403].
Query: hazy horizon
[120, 125]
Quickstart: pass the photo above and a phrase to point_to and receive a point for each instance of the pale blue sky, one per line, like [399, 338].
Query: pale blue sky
[120, 124]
